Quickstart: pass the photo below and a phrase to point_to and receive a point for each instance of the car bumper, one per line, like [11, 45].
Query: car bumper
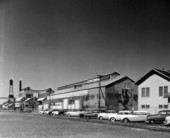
[166, 123]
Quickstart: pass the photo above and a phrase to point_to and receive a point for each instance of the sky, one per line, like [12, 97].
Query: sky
[51, 43]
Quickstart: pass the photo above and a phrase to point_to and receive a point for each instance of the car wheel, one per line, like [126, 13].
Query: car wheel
[125, 120]
[100, 118]
[112, 119]
[152, 121]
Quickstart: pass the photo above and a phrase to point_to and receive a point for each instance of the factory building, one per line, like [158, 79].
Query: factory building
[34, 99]
[110, 91]
[26, 99]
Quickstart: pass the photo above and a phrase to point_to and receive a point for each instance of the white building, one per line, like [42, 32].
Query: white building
[154, 91]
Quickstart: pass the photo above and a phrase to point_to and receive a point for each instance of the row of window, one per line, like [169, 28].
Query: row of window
[163, 106]
[145, 106]
[163, 90]
[160, 106]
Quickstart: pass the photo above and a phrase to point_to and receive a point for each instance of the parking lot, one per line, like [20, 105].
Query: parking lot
[140, 125]
[35, 125]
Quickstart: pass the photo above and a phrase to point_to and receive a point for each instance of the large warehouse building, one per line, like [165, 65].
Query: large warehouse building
[111, 91]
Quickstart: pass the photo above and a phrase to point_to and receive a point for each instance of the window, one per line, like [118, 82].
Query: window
[160, 106]
[143, 106]
[160, 91]
[163, 90]
[147, 106]
[145, 92]
[165, 106]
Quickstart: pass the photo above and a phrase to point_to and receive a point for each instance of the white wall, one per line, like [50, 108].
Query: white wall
[153, 82]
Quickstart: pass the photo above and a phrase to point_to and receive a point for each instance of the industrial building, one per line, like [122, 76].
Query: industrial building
[34, 99]
[110, 91]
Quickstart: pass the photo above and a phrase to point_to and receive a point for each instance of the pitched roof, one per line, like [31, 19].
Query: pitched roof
[161, 73]
[107, 83]
[116, 80]
[92, 80]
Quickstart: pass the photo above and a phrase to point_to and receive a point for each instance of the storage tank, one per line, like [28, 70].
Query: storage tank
[78, 104]
[65, 104]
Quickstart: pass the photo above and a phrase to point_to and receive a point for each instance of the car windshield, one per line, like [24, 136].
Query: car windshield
[124, 113]
[140, 113]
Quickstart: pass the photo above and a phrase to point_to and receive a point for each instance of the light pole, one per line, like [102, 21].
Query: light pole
[99, 90]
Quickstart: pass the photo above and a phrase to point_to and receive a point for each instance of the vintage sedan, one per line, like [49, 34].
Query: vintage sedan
[49, 112]
[74, 113]
[136, 116]
[117, 117]
[167, 121]
[158, 118]
[58, 112]
[92, 114]
[105, 115]
[46, 111]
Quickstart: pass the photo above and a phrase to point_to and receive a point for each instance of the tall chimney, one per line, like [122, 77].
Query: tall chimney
[20, 85]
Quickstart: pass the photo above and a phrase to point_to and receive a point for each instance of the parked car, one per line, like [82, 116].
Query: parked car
[58, 112]
[49, 112]
[41, 112]
[92, 114]
[117, 117]
[158, 118]
[106, 114]
[75, 113]
[136, 116]
[46, 111]
[167, 121]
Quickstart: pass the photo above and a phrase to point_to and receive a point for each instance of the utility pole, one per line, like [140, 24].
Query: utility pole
[99, 90]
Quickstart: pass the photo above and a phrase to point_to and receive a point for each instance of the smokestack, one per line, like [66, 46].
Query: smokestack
[20, 85]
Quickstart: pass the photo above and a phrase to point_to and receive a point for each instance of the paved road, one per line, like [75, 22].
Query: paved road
[21, 125]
